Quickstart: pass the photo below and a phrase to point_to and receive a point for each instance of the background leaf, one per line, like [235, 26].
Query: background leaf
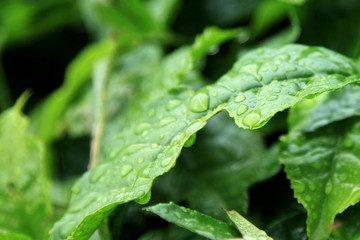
[24, 190]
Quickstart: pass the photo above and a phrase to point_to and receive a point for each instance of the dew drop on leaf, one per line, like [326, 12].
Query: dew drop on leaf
[97, 173]
[166, 161]
[272, 98]
[125, 170]
[172, 104]
[240, 98]
[75, 189]
[252, 119]
[190, 141]
[328, 188]
[142, 127]
[145, 199]
[298, 186]
[241, 109]
[200, 101]
[291, 69]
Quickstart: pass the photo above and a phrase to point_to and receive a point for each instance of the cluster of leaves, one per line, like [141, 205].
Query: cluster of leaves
[142, 92]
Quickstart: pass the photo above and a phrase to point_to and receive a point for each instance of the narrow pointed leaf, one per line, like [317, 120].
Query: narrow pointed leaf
[194, 221]
[247, 229]
[259, 85]
[324, 169]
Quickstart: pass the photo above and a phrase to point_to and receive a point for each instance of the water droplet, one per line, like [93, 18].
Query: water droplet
[241, 109]
[162, 136]
[81, 203]
[284, 57]
[200, 101]
[312, 186]
[140, 194]
[141, 160]
[125, 170]
[75, 189]
[213, 50]
[252, 119]
[274, 68]
[142, 127]
[178, 215]
[151, 112]
[240, 98]
[172, 104]
[66, 229]
[166, 161]
[308, 198]
[328, 188]
[272, 98]
[253, 69]
[194, 127]
[145, 199]
[115, 152]
[243, 37]
[298, 186]
[190, 141]
[97, 173]
[167, 121]
[291, 69]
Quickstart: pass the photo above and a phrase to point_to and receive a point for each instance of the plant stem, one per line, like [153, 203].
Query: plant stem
[100, 115]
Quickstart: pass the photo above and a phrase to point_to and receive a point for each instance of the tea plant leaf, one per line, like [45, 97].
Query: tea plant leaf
[311, 114]
[46, 119]
[259, 85]
[194, 221]
[247, 229]
[324, 169]
[24, 188]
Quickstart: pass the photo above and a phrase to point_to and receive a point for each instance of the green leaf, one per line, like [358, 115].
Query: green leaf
[324, 172]
[311, 114]
[259, 85]
[247, 229]
[46, 118]
[194, 221]
[24, 189]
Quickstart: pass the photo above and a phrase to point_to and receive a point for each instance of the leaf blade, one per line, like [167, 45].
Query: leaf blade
[194, 221]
